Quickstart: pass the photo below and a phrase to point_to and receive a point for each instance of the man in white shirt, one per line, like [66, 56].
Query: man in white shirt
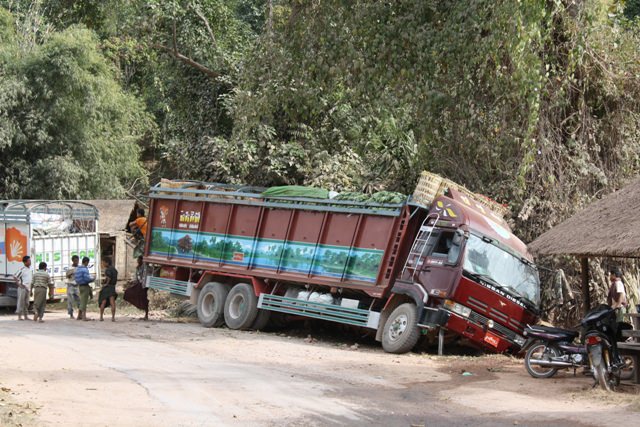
[617, 297]
[23, 278]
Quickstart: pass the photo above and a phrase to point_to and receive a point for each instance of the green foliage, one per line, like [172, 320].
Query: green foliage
[632, 9]
[67, 130]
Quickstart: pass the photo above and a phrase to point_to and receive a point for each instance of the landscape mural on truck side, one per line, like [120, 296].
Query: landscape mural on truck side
[335, 261]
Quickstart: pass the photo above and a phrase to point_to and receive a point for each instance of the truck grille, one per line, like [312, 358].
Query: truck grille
[501, 317]
[479, 318]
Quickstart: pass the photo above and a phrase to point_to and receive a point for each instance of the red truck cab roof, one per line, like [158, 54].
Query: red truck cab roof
[461, 211]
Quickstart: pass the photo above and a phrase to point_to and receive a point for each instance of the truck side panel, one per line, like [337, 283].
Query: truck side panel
[323, 247]
[56, 251]
[15, 242]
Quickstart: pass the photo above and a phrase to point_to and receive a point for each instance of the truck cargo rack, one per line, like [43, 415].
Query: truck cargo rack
[177, 287]
[21, 210]
[226, 193]
[317, 310]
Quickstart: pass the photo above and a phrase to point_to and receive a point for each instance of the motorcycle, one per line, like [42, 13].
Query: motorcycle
[549, 349]
[601, 342]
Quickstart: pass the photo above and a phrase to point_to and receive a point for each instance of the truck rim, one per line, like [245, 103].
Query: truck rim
[207, 305]
[398, 327]
[236, 306]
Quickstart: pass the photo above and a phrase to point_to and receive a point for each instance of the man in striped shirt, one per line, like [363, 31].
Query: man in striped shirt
[41, 281]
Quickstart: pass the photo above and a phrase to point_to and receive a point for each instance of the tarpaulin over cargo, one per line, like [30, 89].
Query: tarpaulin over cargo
[297, 191]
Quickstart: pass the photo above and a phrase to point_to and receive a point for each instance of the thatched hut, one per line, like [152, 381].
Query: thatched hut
[608, 227]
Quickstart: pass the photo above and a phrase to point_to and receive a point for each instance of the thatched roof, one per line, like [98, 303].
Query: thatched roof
[609, 227]
[113, 214]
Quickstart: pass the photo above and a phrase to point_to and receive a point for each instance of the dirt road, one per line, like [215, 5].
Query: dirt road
[65, 372]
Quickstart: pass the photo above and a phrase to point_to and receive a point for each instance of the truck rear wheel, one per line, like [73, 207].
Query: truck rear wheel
[211, 304]
[401, 332]
[241, 307]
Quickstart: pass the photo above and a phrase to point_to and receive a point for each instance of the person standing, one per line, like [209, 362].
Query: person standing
[108, 294]
[83, 280]
[41, 282]
[73, 294]
[617, 297]
[23, 279]
[136, 293]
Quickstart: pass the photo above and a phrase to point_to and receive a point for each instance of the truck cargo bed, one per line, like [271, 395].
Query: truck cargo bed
[317, 241]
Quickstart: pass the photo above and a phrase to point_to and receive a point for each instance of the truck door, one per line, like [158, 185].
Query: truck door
[441, 264]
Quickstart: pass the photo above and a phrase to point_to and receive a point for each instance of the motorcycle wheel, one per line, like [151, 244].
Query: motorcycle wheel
[540, 351]
[602, 376]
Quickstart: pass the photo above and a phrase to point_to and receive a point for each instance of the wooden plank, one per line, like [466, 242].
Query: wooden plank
[629, 347]
[584, 270]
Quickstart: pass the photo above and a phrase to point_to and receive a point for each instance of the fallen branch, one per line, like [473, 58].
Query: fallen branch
[188, 61]
[185, 59]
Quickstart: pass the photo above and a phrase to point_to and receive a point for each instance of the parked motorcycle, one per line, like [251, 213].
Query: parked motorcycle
[601, 342]
[549, 349]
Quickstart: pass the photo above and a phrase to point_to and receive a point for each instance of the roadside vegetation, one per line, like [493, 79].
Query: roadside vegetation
[535, 104]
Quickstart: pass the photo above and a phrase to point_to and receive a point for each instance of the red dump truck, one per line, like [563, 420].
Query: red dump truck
[400, 269]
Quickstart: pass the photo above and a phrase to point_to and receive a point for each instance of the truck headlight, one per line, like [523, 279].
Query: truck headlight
[457, 308]
[519, 340]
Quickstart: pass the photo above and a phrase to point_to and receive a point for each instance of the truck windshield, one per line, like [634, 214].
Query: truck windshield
[508, 271]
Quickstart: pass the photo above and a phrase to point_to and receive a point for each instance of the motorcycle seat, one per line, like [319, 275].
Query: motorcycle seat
[565, 334]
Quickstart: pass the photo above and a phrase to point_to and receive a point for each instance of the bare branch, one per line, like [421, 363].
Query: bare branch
[269, 17]
[175, 39]
[206, 24]
[174, 52]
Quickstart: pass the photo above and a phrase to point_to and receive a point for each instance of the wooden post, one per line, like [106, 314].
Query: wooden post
[586, 297]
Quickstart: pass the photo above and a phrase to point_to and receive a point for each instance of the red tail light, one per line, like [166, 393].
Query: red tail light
[593, 340]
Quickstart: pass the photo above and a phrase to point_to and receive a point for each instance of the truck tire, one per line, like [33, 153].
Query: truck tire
[401, 332]
[210, 306]
[262, 320]
[241, 307]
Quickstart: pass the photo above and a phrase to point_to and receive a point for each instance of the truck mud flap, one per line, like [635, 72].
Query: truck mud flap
[317, 310]
[433, 317]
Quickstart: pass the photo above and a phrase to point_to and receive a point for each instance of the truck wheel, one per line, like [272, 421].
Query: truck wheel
[262, 320]
[211, 304]
[241, 307]
[401, 332]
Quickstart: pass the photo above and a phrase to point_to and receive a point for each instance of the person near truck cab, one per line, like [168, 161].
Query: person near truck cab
[23, 278]
[139, 226]
[108, 294]
[83, 280]
[617, 297]
[73, 294]
[41, 282]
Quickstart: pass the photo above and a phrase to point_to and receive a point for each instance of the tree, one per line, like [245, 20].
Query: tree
[69, 131]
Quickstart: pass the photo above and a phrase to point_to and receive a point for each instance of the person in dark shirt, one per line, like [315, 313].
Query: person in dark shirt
[108, 295]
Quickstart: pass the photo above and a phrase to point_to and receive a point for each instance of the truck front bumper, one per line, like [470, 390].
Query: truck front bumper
[473, 328]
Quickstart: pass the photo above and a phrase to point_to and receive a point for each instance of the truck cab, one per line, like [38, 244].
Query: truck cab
[475, 278]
